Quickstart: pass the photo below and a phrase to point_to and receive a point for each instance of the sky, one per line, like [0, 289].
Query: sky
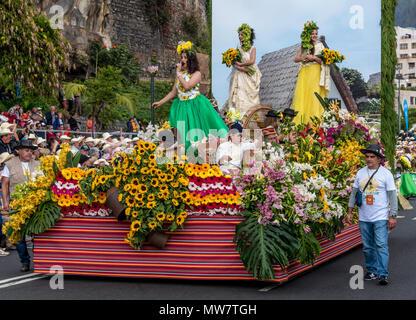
[350, 26]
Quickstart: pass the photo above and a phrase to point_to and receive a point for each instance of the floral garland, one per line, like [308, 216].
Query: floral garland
[211, 192]
[308, 27]
[185, 47]
[246, 41]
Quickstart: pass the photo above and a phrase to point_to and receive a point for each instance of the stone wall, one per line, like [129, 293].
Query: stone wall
[120, 21]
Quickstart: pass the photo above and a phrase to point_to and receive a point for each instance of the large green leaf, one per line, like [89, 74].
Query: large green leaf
[324, 101]
[309, 249]
[43, 218]
[261, 246]
[76, 158]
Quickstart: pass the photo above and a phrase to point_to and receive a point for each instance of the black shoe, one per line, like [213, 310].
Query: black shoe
[383, 280]
[25, 268]
[370, 276]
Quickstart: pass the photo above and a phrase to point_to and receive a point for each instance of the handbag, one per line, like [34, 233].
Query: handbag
[359, 194]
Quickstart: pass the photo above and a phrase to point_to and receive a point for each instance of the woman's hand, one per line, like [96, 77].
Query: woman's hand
[319, 60]
[156, 104]
[238, 64]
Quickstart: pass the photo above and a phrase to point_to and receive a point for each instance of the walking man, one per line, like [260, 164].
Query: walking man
[17, 170]
[375, 217]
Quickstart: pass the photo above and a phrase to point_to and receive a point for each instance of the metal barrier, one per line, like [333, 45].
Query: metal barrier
[94, 134]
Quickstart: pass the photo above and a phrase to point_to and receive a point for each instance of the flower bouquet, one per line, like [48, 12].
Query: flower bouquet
[152, 71]
[231, 56]
[330, 57]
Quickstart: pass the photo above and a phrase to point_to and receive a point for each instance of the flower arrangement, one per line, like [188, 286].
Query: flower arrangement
[305, 36]
[234, 115]
[331, 56]
[406, 165]
[231, 56]
[152, 71]
[245, 29]
[185, 46]
[211, 192]
[155, 194]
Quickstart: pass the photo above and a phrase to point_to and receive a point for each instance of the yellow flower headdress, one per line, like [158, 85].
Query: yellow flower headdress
[185, 47]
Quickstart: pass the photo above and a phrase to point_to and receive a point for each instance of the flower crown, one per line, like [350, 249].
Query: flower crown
[246, 31]
[185, 46]
[306, 34]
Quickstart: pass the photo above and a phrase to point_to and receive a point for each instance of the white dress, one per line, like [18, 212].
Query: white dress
[244, 90]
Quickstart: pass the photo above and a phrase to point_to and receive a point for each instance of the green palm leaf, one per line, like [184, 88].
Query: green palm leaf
[74, 89]
[261, 246]
[43, 218]
[125, 99]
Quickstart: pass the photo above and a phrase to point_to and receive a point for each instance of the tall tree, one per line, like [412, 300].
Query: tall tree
[30, 48]
[355, 81]
[388, 65]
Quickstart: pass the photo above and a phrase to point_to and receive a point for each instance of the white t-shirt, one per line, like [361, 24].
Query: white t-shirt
[235, 151]
[6, 172]
[382, 182]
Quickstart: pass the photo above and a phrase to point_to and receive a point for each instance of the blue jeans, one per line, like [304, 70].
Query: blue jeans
[21, 248]
[374, 236]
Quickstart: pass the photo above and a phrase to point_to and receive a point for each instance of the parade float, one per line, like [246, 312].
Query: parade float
[146, 218]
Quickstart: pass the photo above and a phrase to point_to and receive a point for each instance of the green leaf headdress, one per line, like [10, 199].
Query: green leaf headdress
[185, 47]
[308, 27]
[246, 42]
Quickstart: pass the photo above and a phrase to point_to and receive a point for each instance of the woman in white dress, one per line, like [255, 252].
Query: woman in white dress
[244, 89]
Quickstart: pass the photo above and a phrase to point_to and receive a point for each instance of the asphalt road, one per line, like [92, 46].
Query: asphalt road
[330, 280]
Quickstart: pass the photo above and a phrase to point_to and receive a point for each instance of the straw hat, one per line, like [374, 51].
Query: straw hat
[114, 141]
[136, 139]
[77, 139]
[40, 140]
[65, 137]
[5, 156]
[90, 139]
[101, 161]
[106, 135]
[125, 141]
[106, 146]
[32, 137]
[3, 132]
[5, 125]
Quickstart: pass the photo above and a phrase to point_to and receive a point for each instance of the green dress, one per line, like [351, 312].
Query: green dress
[407, 186]
[193, 115]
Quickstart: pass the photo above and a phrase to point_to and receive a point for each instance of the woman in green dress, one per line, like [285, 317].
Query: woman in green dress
[191, 113]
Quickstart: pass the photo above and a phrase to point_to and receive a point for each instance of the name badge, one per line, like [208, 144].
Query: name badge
[369, 199]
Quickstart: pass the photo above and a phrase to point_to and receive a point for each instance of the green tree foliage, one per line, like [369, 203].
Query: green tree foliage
[355, 81]
[388, 65]
[30, 47]
[198, 33]
[120, 57]
[104, 96]
[405, 13]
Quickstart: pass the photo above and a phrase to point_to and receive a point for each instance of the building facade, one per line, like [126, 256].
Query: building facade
[406, 56]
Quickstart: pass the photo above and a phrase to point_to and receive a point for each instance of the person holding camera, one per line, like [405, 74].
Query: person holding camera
[373, 191]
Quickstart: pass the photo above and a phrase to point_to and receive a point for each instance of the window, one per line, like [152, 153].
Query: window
[411, 65]
[404, 56]
[414, 45]
[403, 46]
[413, 55]
[412, 76]
[412, 100]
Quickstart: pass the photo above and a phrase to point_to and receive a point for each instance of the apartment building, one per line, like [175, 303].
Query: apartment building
[406, 56]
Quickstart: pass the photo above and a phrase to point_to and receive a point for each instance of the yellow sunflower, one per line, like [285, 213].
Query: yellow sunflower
[152, 224]
[160, 216]
[170, 217]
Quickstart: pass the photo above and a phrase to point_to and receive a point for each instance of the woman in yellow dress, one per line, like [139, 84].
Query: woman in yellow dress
[244, 88]
[313, 76]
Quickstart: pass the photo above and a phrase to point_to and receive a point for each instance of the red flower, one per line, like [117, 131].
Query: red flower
[104, 45]
[340, 160]
[114, 47]
[95, 39]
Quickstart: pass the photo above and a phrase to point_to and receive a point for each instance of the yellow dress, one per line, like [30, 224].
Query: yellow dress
[312, 77]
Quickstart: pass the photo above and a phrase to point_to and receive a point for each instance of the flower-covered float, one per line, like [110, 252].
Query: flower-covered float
[274, 219]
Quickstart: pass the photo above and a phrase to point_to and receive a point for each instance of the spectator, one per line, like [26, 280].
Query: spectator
[59, 121]
[3, 239]
[36, 116]
[11, 115]
[14, 173]
[7, 143]
[130, 125]
[51, 116]
[73, 123]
